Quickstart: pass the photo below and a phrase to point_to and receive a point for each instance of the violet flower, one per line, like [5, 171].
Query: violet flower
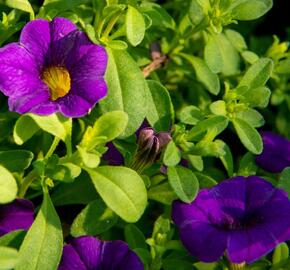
[244, 217]
[89, 253]
[16, 215]
[276, 153]
[54, 67]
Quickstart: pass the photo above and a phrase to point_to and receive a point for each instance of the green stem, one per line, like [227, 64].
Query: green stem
[239, 266]
[111, 24]
[26, 183]
[52, 148]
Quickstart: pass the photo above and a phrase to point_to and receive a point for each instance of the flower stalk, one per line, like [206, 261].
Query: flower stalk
[238, 266]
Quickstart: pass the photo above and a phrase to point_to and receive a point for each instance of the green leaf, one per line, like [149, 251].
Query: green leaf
[162, 193]
[221, 56]
[13, 238]
[247, 165]
[281, 253]
[94, 219]
[237, 40]
[205, 181]
[106, 128]
[284, 182]
[251, 116]
[42, 245]
[134, 237]
[81, 191]
[190, 115]
[172, 155]
[8, 190]
[218, 107]
[8, 258]
[160, 110]
[122, 189]
[135, 26]
[258, 74]
[117, 45]
[215, 123]
[247, 10]
[249, 136]
[250, 57]
[22, 5]
[184, 183]
[209, 79]
[16, 160]
[55, 124]
[127, 89]
[258, 97]
[227, 158]
[158, 15]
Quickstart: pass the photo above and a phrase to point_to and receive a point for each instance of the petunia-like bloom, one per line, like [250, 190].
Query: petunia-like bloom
[16, 215]
[89, 253]
[245, 218]
[276, 153]
[54, 67]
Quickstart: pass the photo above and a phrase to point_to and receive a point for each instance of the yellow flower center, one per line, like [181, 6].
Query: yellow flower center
[58, 81]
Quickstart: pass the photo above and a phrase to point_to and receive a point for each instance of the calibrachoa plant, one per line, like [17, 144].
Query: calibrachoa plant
[144, 135]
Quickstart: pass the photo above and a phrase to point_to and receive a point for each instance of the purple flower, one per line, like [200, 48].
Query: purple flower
[16, 215]
[276, 153]
[89, 253]
[244, 217]
[54, 67]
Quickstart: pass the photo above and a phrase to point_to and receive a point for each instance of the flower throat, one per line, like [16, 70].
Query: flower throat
[58, 81]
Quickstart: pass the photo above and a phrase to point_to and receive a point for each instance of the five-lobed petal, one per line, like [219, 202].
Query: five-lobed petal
[244, 217]
[55, 45]
[89, 253]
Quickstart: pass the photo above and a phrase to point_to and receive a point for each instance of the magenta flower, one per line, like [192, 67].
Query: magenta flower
[54, 67]
[276, 153]
[244, 217]
[16, 215]
[89, 253]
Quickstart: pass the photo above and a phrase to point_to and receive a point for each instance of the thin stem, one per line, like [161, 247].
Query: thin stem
[26, 183]
[52, 148]
[111, 24]
[239, 266]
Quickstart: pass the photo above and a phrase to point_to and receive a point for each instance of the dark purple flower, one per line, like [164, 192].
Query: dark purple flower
[113, 156]
[89, 253]
[54, 67]
[16, 215]
[244, 217]
[276, 153]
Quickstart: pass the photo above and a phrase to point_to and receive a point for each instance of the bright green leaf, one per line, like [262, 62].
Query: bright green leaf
[8, 190]
[135, 26]
[94, 219]
[122, 189]
[8, 258]
[127, 89]
[43, 243]
[183, 182]
[248, 135]
[160, 109]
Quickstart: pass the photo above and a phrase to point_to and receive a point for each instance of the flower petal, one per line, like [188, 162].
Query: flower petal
[71, 260]
[204, 241]
[86, 59]
[82, 97]
[17, 215]
[63, 35]
[35, 37]
[89, 250]
[275, 156]
[250, 245]
[117, 256]
[26, 103]
[18, 71]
